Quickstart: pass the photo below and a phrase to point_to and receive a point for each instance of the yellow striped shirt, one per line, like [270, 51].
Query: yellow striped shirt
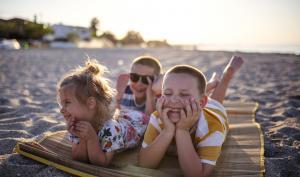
[208, 136]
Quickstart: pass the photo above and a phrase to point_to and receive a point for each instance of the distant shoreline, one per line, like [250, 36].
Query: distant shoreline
[284, 49]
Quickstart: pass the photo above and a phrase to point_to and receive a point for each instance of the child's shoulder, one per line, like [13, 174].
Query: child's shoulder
[215, 105]
[155, 121]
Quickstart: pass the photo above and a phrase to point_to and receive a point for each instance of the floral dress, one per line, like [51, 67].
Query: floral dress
[123, 133]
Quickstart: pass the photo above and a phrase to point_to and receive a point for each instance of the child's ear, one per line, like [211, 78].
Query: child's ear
[203, 101]
[91, 102]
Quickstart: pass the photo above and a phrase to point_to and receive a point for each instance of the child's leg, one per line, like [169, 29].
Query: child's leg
[212, 83]
[234, 64]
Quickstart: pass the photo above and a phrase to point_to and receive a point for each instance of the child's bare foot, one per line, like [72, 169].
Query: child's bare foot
[234, 64]
[212, 83]
[121, 85]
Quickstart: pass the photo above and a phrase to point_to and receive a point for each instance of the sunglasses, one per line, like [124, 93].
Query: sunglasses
[136, 77]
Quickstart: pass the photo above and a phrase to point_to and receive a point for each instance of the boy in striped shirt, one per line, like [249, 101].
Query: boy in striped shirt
[195, 124]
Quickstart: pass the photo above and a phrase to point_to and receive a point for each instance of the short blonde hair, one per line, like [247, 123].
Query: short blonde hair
[149, 61]
[192, 71]
[88, 81]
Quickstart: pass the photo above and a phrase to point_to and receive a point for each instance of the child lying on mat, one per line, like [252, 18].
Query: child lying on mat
[84, 95]
[187, 119]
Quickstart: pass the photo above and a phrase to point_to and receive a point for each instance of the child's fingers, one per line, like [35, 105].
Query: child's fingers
[188, 109]
[71, 123]
[165, 111]
[182, 114]
[73, 131]
[198, 107]
[160, 104]
[149, 81]
[81, 124]
[164, 115]
[194, 107]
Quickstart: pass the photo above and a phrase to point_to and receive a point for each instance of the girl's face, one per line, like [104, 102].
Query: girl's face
[139, 88]
[178, 88]
[71, 107]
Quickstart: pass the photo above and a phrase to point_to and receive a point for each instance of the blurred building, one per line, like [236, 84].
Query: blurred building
[66, 33]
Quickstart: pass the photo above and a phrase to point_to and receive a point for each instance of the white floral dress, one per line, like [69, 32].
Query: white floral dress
[123, 133]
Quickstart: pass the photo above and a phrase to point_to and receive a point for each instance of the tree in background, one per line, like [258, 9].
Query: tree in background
[94, 26]
[22, 29]
[109, 36]
[132, 38]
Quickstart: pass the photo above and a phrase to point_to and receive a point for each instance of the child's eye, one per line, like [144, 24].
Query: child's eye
[167, 94]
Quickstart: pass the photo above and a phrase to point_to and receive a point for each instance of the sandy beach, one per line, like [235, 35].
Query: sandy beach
[28, 107]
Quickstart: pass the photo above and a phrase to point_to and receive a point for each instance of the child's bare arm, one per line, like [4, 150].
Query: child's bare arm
[150, 99]
[96, 156]
[79, 151]
[122, 81]
[188, 158]
[95, 153]
[151, 156]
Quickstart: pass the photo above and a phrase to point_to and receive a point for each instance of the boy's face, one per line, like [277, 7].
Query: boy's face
[139, 88]
[71, 107]
[179, 88]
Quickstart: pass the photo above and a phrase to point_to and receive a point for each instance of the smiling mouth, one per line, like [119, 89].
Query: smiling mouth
[176, 110]
[67, 116]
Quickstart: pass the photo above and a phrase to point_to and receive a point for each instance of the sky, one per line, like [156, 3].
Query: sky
[237, 22]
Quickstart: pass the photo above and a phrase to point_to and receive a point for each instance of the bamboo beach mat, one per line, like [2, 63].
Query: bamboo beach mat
[242, 152]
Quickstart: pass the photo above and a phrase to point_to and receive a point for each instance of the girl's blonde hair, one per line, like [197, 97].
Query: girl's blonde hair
[88, 81]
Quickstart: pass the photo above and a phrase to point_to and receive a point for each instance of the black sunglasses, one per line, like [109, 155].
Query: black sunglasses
[136, 77]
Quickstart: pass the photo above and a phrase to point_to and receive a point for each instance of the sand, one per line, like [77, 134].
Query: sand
[28, 107]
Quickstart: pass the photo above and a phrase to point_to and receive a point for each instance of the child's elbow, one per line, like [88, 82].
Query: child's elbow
[145, 163]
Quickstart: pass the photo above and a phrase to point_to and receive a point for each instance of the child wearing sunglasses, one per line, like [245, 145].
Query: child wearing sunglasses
[138, 94]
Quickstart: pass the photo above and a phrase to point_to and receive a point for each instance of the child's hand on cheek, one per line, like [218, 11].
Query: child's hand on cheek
[162, 114]
[188, 119]
[84, 130]
[149, 91]
[70, 124]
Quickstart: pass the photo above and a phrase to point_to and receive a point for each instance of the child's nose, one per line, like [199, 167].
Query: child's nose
[175, 99]
[139, 82]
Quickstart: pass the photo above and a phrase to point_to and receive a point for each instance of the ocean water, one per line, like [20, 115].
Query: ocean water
[292, 49]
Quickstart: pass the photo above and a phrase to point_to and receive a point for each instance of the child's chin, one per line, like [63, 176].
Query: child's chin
[140, 94]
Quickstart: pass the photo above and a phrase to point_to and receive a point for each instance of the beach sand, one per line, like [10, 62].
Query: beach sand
[28, 107]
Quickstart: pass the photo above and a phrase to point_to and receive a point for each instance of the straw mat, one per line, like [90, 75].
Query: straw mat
[242, 152]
